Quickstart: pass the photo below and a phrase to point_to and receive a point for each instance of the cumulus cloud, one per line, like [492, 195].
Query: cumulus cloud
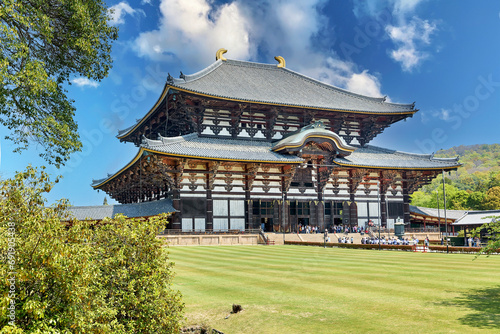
[117, 13]
[345, 75]
[192, 32]
[410, 34]
[83, 82]
[410, 38]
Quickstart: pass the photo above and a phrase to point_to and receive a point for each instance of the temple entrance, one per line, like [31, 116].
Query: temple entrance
[267, 224]
[303, 221]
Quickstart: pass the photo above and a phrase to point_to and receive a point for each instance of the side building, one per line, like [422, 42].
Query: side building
[242, 145]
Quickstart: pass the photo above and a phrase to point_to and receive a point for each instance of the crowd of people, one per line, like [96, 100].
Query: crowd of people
[308, 229]
[392, 241]
[374, 240]
[334, 228]
[473, 242]
[348, 229]
[345, 240]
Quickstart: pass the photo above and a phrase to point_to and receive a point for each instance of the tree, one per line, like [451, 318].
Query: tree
[112, 276]
[475, 200]
[43, 43]
[494, 180]
[422, 198]
[492, 199]
[456, 199]
[492, 229]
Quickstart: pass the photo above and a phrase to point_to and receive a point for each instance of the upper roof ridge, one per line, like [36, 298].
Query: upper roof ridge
[243, 63]
[199, 74]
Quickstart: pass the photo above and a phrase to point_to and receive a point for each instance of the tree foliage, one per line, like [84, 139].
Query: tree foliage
[42, 44]
[113, 276]
[492, 199]
[492, 230]
[470, 187]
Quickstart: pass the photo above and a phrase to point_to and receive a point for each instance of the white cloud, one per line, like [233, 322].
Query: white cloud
[443, 114]
[410, 34]
[82, 82]
[364, 83]
[399, 8]
[117, 13]
[193, 31]
[410, 39]
[344, 75]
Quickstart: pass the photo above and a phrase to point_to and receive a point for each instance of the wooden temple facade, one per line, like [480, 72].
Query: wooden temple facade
[243, 145]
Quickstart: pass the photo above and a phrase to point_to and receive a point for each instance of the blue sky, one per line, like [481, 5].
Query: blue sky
[445, 55]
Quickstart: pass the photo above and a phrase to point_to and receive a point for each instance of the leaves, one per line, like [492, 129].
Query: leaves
[112, 276]
[468, 188]
[42, 44]
[492, 231]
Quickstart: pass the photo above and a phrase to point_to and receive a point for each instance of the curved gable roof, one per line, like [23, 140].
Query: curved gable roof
[245, 81]
[265, 83]
[314, 131]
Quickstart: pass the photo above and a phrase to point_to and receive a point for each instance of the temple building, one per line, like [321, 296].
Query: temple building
[242, 145]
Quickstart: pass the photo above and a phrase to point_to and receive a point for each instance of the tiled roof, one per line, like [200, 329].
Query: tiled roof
[477, 217]
[372, 156]
[244, 150]
[222, 149]
[266, 83]
[269, 84]
[431, 212]
[146, 209]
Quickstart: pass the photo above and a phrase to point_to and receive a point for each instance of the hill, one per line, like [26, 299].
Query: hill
[474, 186]
[475, 158]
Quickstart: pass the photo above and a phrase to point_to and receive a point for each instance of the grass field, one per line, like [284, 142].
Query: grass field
[298, 289]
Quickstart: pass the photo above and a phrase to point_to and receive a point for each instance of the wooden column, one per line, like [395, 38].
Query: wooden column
[406, 200]
[353, 211]
[383, 209]
[277, 215]
[321, 215]
[209, 223]
[287, 214]
[176, 199]
[209, 186]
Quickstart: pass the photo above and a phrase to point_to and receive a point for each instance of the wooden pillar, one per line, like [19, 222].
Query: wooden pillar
[209, 223]
[248, 204]
[406, 201]
[176, 199]
[248, 211]
[353, 211]
[276, 216]
[321, 215]
[288, 225]
[383, 209]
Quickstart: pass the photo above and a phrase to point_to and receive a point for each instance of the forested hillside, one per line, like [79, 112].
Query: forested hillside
[474, 186]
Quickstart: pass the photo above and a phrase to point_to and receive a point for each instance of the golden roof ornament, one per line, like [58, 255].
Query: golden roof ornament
[219, 54]
[281, 61]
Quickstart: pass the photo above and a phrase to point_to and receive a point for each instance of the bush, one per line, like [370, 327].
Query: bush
[87, 277]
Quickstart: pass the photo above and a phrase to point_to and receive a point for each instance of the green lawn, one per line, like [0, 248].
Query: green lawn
[298, 289]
